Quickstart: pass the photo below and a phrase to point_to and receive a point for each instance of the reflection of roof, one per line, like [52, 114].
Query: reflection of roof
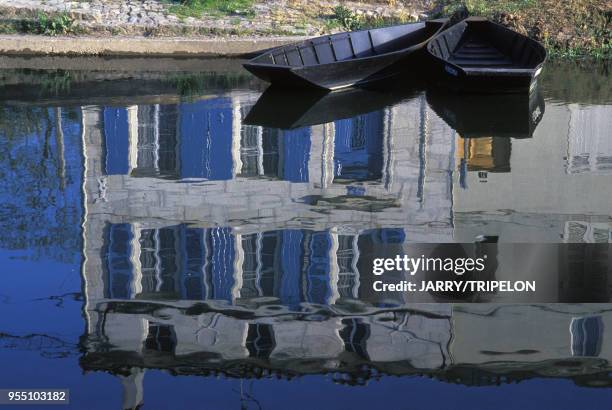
[349, 369]
[585, 372]
[352, 343]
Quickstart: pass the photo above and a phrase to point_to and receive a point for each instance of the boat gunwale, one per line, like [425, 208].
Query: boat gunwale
[443, 25]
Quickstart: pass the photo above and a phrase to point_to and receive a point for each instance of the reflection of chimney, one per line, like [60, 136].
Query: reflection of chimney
[133, 389]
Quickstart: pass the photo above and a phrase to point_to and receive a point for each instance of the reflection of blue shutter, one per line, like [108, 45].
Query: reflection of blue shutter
[587, 335]
[206, 139]
[386, 236]
[317, 271]
[358, 147]
[296, 152]
[222, 263]
[118, 264]
[291, 262]
[192, 244]
[392, 235]
[116, 140]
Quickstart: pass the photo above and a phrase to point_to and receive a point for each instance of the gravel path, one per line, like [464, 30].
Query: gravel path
[153, 17]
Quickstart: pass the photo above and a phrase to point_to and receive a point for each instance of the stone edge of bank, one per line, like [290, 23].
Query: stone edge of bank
[33, 45]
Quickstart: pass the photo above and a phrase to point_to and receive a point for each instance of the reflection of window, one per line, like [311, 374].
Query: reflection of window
[161, 338]
[317, 269]
[250, 150]
[259, 152]
[250, 266]
[269, 267]
[358, 147]
[159, 260]
[587, 335]
[355, 335]
[347, 257]
[590, 232]
[195, 258]
[358, 135]
[118, 264]
[260, 340]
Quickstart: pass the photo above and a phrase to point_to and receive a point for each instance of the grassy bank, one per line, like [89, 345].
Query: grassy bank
[569, 28]
[197, 8]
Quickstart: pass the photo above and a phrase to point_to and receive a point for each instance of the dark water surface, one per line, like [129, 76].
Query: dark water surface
[173, 239]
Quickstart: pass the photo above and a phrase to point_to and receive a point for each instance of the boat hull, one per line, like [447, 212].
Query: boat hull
[340, 75]
[479, 55]
[346, 59]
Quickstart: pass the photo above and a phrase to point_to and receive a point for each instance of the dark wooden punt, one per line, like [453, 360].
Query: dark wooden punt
[281, 108]
[508, 115]
[477, 53]
[345, 59]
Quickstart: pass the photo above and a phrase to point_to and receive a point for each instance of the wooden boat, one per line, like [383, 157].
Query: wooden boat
[345, 59]
[477, 53]
[477, 115]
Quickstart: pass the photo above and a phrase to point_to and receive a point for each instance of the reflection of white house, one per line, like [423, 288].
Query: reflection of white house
[186, 208]
[589, 149]
[237, 185]
[559, 187]
[149, 170]
[256, 178]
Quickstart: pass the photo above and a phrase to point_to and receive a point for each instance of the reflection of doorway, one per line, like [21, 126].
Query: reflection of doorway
[160, 338]
[490, 154]
[260, 340]
[355, 335]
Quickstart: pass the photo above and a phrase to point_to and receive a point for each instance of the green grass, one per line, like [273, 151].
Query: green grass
[54, 25]
[345, 18]
[196, 8]
[585, 26]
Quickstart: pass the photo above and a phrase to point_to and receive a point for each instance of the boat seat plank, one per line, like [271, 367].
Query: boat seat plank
[280, 58]
[442, 48]
[293, 57]
[342, 47]
[361, 44]
[480, 56]
[309, 57]
[476, 63]
[324, 51]
[469, 51]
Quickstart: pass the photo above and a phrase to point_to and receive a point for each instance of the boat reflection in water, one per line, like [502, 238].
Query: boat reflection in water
[221, 236]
